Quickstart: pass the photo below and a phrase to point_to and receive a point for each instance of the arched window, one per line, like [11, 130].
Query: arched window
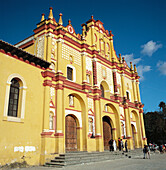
[102, 90]
[13, 98]
[14, 107]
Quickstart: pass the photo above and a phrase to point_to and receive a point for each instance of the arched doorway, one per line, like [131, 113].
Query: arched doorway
[107, 132]
[70, 133]
[133, 135]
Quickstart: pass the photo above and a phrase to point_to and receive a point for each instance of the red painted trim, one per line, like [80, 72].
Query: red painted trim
[128, 137]
[47, 83]
[59, 86]
[109, 112]
[59, 134]
[27, 44]
[91, 111]
[67, 87]
[73, 84]
[46, 133]
[48, 74]
[73, 110]
[21, 59]
[98, 136]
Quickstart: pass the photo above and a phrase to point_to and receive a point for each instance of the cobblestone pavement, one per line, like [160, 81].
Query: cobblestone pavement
[136, 162]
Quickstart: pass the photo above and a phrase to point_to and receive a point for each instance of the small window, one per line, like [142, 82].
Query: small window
[69, 73]
[102, 90]
[127, 94]
[13, 98]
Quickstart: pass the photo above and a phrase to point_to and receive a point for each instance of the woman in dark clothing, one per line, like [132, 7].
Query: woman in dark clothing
[126, 146]
[119, 144]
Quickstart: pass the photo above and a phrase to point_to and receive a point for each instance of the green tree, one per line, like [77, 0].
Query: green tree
[162, 106]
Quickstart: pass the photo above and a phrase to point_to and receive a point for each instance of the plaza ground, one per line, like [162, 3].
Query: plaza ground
[136, 162]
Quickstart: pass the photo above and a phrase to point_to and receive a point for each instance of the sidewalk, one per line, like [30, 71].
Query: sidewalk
[136, 162]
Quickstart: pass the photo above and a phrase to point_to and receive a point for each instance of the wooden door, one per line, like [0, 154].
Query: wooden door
[107, 133]
[70, 134]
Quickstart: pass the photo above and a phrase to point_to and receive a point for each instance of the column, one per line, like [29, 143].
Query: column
[98, 126]
[128, 127]
[59, 55]
[94, 72]
[83, 67]
[123, 86]
[59, 119]
[45, 128]
[134, 90]
[142, 128]
[49, 45]
[115, 82]
[138, 92]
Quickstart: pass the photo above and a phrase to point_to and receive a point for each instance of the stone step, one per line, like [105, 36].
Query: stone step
[74, 158]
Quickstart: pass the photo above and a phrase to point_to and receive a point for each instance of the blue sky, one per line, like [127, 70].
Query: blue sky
[139, 28]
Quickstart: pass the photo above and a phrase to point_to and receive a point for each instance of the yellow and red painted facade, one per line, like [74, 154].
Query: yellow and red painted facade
[102, 85]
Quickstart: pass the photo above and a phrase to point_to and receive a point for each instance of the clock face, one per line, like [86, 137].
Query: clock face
[70, 29]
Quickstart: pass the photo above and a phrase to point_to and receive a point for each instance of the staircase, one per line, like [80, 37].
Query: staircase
[74, 158]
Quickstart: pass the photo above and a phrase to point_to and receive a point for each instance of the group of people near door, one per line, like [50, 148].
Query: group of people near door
[121, 145]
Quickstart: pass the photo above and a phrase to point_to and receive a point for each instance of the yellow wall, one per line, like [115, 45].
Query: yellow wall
[25, 133]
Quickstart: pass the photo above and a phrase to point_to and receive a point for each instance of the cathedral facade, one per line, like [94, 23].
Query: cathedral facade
[62, 91]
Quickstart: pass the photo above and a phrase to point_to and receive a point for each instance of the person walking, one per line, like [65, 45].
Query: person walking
[119, 144]
[144, 151]
[122, 146]
[114, 145]
[148, 151]
[126, 146]
[111, 145]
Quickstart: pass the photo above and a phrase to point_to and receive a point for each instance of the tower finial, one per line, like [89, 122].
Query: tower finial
[50, 14]
[69, 22]
[120, 58]
[135, 69]
[60, 19]
[131, 66]
[42, 18]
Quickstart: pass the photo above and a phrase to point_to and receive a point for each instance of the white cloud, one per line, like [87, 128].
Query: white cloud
[150, 47]
[142, 69]
[162, 67]
[130, 58]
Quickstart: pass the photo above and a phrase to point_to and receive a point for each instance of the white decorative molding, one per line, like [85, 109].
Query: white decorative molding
[76, 114]
[68, 51]
[24, 41]
[88, 64]
[22, 103]
[90, 104]
[40, 46]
